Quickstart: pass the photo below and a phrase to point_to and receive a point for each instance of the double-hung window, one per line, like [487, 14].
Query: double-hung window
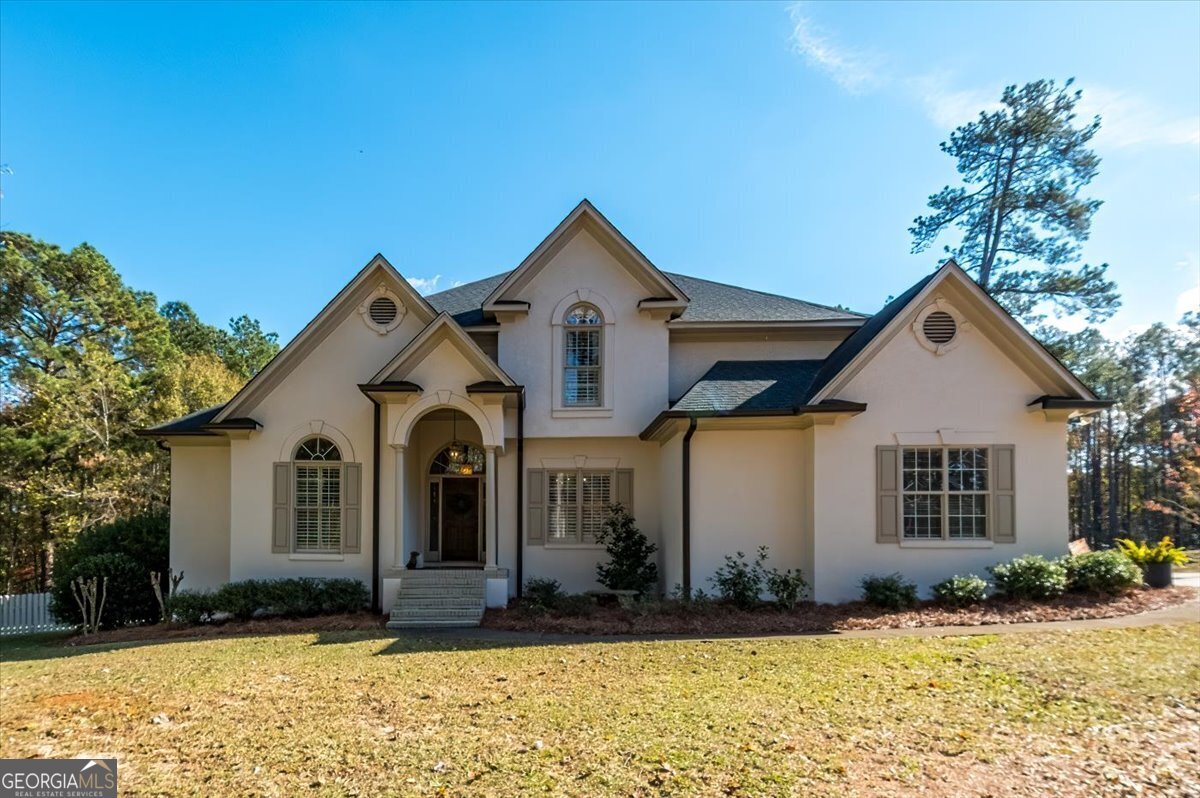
[945, 493]
[318, 497]
[582, 356]
[577, 504]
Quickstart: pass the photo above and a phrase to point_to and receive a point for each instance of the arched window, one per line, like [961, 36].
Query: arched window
[459, 459]
[582, 356]
[317, 524]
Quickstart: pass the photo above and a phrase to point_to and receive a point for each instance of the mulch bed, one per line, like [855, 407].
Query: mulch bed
[265, 626]
[718, 619]
[676, 618]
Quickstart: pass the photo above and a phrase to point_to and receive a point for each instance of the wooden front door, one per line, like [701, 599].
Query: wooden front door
[460, 519]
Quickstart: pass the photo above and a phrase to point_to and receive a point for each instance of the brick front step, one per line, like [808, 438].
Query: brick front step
[435, 597]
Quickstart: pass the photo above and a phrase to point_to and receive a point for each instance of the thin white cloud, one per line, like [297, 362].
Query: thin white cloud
[1126, 119]
[856, 71]
[424, 285]
[948, 107]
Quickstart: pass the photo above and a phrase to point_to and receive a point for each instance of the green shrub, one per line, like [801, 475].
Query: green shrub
[122, 593]
[192, 607]
[575, 605]
[788, 587]
[239, 599]
[344, 596]
[892, 592]
[739, 581]
[1101, 572]
[960, 591]
[301, 597]
[142, 540]
[1030, 577]
[542, 593]
[630, 566]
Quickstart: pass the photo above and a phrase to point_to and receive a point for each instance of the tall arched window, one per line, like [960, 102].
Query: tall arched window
[582, 356]
[318, 496]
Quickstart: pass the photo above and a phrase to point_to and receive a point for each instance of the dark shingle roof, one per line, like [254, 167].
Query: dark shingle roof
[465, 302]
[712, 302]
[848, 349]
[199, 422]
[748, 385]
[191, 424]
[721, 302]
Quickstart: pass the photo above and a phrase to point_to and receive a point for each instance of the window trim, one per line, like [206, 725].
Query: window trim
[559, 408]
[339, 509]
[945, 540]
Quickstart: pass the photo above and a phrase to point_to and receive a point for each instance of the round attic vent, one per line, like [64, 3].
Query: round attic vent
[939, 327]
[383, 311]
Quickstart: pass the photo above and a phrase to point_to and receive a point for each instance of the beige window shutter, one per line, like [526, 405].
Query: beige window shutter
[1004, 498]
[625, 489]
[352, 508]
[281, 516]
[887, 502]
[535, 519]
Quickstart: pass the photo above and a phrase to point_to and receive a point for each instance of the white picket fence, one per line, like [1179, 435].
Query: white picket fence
[26, 613]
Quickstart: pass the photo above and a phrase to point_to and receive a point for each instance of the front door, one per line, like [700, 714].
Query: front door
[460, 519]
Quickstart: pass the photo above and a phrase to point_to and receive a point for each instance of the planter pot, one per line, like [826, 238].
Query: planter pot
[1158, 574]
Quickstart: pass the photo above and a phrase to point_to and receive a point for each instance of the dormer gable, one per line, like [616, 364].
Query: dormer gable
[663, 298]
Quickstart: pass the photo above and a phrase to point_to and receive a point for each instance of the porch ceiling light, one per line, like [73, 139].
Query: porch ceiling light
[456, 449]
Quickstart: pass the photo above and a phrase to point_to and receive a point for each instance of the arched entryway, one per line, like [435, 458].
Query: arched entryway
[456, 504]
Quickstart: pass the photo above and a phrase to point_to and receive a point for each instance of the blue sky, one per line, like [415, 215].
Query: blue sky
[251, 158]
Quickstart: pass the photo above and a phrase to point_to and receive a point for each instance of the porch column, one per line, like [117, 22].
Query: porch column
[489, 513]
[400, 554]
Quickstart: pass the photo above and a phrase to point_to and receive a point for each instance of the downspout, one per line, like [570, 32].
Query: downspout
[687, 508]
[520, 491]
[376, 606]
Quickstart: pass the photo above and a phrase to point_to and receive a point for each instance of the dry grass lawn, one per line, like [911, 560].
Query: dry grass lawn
[362, 713]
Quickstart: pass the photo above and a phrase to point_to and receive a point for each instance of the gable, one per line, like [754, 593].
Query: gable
[376, 275]
[441, 352]
[659, 291]
[978, 310]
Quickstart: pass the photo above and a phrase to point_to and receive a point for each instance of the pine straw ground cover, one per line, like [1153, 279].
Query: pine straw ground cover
[359, 712]
[712, 618]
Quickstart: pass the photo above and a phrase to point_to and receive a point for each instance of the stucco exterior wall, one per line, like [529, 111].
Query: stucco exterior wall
[670, 491]
[320, 395]
[745, 495]
[575, 565]
[526, 345]
[200, 512]
[691, 357]
[976, 393]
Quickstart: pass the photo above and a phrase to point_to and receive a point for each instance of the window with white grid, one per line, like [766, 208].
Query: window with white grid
[582, 357]
[318, 497]
[945, 493]
[577, 504]
[563, 506]
[595, 495]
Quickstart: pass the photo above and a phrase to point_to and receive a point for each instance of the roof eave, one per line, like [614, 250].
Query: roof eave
[845, 408]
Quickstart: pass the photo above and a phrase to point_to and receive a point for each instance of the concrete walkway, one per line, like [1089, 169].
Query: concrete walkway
[1188, 612]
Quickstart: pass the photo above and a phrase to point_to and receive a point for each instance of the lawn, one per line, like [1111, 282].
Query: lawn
[358, 712]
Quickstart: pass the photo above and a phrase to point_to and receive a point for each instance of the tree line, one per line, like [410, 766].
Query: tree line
[85, 360]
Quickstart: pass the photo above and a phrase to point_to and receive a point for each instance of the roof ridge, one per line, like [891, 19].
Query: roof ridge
[768, 293]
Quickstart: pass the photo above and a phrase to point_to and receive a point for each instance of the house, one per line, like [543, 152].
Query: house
[480, 433]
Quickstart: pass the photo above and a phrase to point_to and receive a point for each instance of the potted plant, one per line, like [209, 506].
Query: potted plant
[1156, 561]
